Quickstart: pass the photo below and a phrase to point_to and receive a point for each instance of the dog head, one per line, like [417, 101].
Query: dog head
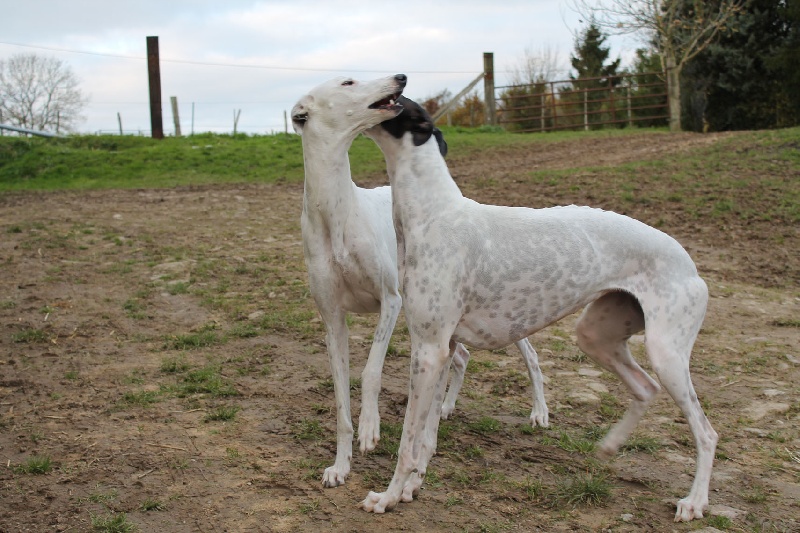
[344, 106]
[414, 120]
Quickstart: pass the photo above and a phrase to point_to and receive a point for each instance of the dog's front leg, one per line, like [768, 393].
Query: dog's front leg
[428, 369]
[336, 340]
[414, 483]
[369, 421]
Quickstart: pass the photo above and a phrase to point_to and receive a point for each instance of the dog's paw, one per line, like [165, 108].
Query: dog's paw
[411, 488]
[540, 417]
[688, 510]
[609, 446]
[369, 432]
[334, 476]
[447, 410]
[377, 503]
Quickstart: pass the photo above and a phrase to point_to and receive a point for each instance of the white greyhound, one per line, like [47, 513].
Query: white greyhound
[351, 253]
[487, 275]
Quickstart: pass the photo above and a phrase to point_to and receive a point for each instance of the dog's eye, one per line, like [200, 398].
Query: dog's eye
[348, 82]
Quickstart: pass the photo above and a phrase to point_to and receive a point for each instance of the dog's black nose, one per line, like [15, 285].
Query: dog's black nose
[401, 78]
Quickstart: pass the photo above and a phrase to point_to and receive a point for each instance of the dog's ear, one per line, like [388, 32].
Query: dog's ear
[440, 140]
[422, 131]
[300, 113]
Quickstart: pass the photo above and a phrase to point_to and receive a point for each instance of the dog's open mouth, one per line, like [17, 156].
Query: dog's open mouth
[390, 102]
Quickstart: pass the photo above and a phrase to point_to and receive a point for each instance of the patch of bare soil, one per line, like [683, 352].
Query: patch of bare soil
[161, 349]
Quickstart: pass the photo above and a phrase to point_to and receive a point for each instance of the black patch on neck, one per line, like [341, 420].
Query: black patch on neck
[416, 121]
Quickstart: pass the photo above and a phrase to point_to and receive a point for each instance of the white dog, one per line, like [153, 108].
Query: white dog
[486, 276]
[351, 253]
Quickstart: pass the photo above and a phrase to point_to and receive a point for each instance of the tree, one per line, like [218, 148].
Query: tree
[594, 77]
[783, 65]
[647, 88]
[470, 112]
[734, 84]
[590, 56]
[432, 104]
[39, 93]
[728, 85]
[528, 102]
[680, 29]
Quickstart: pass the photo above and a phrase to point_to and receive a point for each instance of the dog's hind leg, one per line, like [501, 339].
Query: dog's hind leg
[539, 414]
[369, 420]
[603, 330]
[458, 367]
[669, 347]
[339, 355]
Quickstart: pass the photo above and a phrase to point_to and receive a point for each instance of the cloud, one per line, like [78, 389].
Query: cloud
[438, 44]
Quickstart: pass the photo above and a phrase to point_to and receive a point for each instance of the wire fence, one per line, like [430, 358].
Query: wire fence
[584, 104]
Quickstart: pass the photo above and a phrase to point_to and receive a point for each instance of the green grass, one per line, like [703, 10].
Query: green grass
[37, 465]
[191, 341]
[113, 523]
[584, 489]
[115, 162]
[485, 426]
[731, 179]
[221, 414]
[143, 398]
[152, 505]
[104, 162]
[30, 336]
[309, 430]
[390, 439]
[571, 444]
[206, 380]
[174, 365]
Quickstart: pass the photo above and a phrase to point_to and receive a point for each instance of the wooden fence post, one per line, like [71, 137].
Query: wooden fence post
[154, 76]
[119, 119]
[488, 88]
[236, 114]
[175, 118]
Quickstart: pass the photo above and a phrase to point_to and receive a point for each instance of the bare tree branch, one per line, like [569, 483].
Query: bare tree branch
[40, 93]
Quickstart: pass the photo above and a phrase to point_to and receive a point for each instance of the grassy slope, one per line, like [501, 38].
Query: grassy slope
[101, 162]
[90, 162]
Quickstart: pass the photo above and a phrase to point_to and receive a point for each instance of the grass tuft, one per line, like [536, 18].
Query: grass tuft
[30, 336]
[584, 489]
[37, 465]
[221, 414]
[114, 523]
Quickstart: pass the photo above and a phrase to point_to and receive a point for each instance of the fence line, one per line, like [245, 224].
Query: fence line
[583, 103]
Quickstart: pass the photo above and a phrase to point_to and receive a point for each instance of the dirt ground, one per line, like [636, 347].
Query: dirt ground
[161, 349]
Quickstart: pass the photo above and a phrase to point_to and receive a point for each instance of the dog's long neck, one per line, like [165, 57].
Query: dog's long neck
[419, 176]
[328, 189]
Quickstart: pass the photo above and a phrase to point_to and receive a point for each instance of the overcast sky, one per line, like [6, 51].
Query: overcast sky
[262, 56]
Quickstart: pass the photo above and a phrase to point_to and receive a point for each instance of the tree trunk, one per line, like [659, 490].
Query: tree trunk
[674, 94]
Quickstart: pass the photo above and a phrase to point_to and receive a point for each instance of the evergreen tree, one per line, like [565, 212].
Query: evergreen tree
[748, 79]
[648, 89]
[594, 80]
[590, 57]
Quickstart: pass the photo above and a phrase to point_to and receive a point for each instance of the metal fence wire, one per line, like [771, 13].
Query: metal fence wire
[584, 104]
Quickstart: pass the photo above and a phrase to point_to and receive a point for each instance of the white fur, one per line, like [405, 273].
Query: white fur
[487, 275]
[351, 255]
